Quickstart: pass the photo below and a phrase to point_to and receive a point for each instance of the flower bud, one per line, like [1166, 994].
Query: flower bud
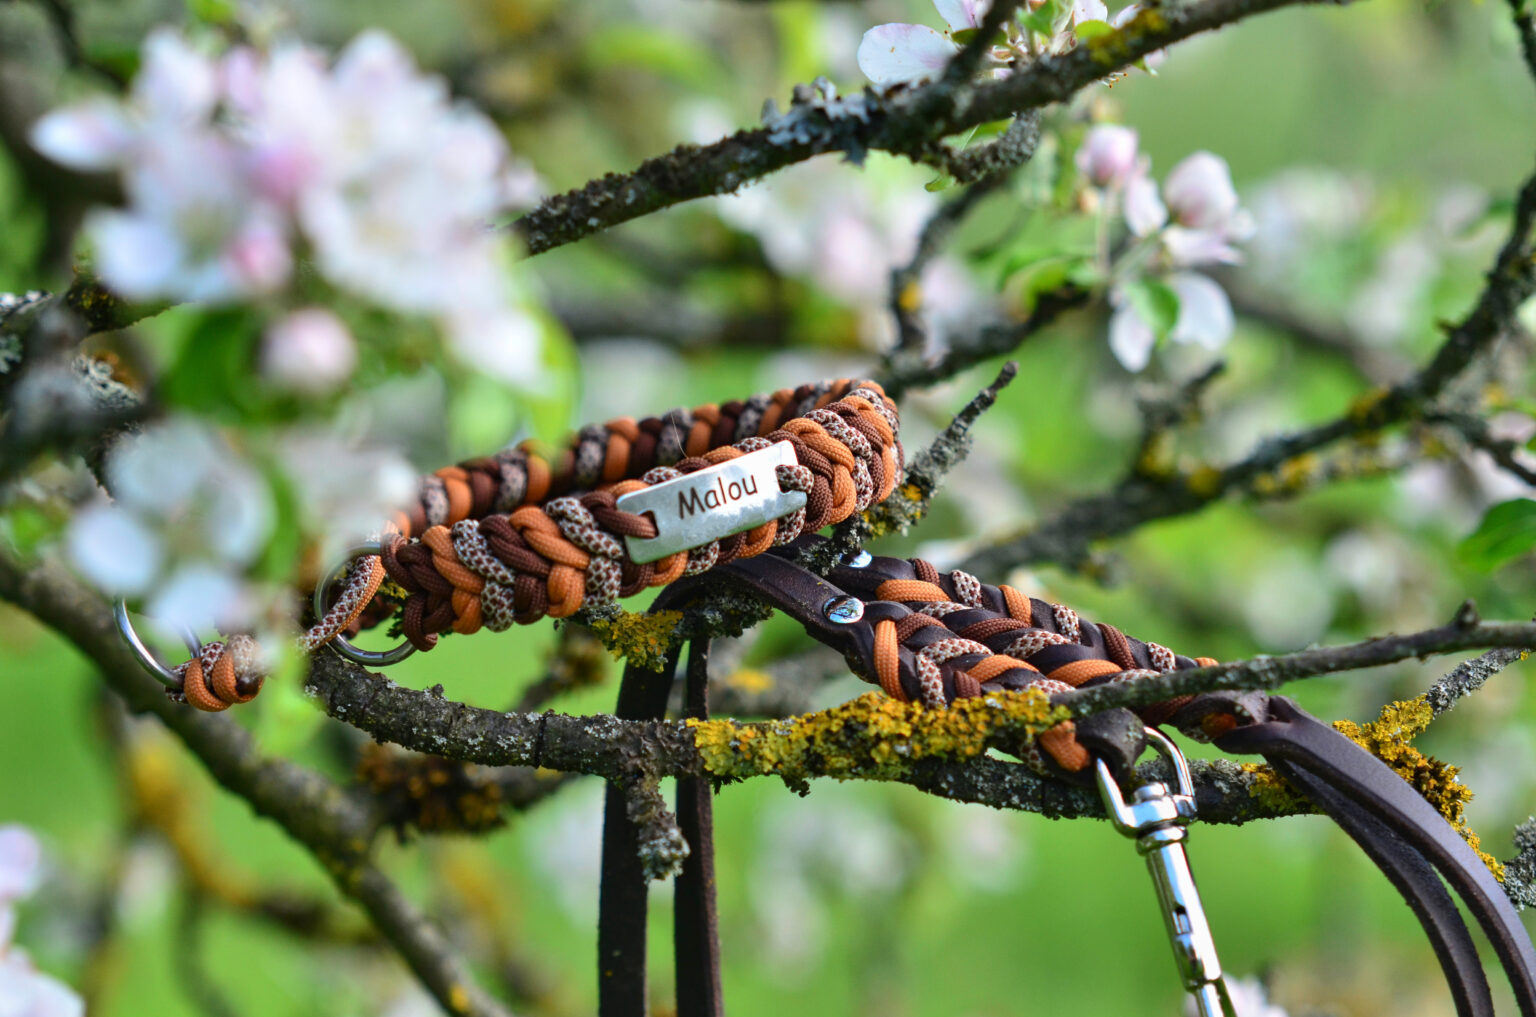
[1108, 155]
[308, 351]
[1199, 192]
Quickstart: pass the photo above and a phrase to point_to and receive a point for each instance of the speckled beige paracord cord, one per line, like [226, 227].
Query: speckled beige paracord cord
[510, 538]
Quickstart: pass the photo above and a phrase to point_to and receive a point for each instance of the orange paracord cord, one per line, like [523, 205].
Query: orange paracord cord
[509, 538]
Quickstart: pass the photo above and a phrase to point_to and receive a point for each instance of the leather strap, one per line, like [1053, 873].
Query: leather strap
[1407, 838]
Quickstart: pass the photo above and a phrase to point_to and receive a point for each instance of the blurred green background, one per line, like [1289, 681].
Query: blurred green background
[868, 899]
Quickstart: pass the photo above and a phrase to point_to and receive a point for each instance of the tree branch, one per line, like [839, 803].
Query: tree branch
[1465, 632]
[335, 824]
[905, 121]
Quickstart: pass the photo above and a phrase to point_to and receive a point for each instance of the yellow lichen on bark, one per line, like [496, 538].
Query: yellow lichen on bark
[644, 640]
[1390, 738]
[871, 737]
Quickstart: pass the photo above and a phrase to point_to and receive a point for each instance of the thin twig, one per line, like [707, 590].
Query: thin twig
[1469, 676]
[1464, 632]
[904, 120]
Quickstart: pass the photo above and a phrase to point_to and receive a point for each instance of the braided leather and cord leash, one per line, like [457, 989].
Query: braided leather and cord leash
[935, 638]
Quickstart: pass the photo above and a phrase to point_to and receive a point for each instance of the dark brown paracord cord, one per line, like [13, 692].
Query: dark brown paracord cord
[502, 542]
[510, 538]
[967, 638]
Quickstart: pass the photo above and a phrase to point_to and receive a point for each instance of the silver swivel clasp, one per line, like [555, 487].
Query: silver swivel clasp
[1155, 818]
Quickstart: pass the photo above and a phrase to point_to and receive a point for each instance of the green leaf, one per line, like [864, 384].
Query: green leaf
[213, 12]
[212, 373]
[1093, 29]
[1507, 531]
[1043, 18]
[1156, 302]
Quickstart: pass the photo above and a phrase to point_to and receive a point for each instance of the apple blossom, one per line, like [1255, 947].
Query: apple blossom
[906, 54]
[114, 549]
[308, 351]
[1198, 225]
[236, 164]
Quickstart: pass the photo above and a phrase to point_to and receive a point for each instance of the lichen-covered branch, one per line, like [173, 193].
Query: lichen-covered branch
[1465, 632]
[905, 121]
[336, 825]
[928, 468]
[1469, 676]
[1520, 871]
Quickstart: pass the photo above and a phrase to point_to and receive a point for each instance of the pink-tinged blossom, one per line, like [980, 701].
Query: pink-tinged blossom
[1107, 156]
[1203, 206]
[308, 351]
[367, 165]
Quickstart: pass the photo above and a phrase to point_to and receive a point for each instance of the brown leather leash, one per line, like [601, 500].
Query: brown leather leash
[731, 496]
[955, 637]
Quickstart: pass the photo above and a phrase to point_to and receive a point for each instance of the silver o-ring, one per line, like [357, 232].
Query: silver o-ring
[338, 642]
[146, 659]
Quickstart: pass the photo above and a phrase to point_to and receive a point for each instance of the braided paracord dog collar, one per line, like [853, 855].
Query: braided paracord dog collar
[624, 506]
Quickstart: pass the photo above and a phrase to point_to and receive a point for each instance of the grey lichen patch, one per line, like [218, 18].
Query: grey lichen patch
[663, 850]
[1520, 871]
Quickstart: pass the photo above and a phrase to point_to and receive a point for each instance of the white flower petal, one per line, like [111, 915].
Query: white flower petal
[201, 597]
[504, 344]
[1089, 10]
[91, 136]
[1130, 338]
[175, 83]
[21, 858]
[138, 256]
[1145, 213]
[156, 471]
[27, 992]
[890, 54]
[1188, 248]
[117, 553]
[1205, 313]
[960, 15]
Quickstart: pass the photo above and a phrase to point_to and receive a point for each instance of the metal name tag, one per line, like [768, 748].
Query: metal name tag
[716, 502]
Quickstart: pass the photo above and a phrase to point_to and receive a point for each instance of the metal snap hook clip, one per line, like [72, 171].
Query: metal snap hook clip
[147, 660]
[339, 642]
[1155, 818]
